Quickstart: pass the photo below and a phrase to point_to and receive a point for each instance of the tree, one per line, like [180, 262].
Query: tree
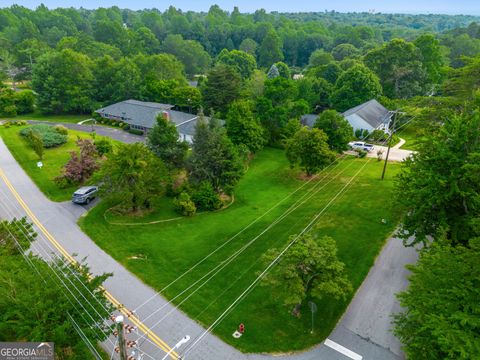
[249, 46]
[310, 268]
[309, 149]
[344, 51]
[23, 316]
[283, 69]
[81, 166]
[440, 318]
[337, 128]
[214, 158]
[221, 88]
[438, 187]
[464, 82]
[320, 57]
[354, 87]
[432, 57]
[63, 82]
[241, 61]
[270, 51]
[399, 66]
[135, 174]
[243, 128]
[189, 52]
[164, 142]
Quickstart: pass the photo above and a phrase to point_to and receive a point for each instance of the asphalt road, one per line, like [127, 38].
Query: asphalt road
[363, 330]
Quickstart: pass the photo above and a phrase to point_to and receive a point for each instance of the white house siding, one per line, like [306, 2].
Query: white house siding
[358, 123]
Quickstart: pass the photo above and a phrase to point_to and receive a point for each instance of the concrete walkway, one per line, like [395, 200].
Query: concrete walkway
[400, 144]
[363, 330]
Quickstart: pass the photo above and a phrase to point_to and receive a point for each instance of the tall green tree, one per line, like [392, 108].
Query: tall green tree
[63, 82]
[243, 128]
[399, 66]
[214, 158]
[441, 308]
[337, 128]
[133, 173]
[221, 88]
[189, 52]
[432, 57]
[310, 268]
[309, 149]
[241, 61]
[354, 87]
[270, 50]
[164, 142]
[438, 187]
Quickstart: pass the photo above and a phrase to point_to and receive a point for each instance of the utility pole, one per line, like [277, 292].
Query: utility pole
[389, 144]
[121, 337]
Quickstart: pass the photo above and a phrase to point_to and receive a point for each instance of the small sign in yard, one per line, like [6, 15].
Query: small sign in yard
[40, 164]
[237, 334]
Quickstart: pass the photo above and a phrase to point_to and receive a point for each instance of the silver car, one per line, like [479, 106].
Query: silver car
[84, 195]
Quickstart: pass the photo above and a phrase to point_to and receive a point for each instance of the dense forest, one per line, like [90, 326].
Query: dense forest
[150, 55]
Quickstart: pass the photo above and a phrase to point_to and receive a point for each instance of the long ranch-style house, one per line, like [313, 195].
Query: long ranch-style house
[141, 115]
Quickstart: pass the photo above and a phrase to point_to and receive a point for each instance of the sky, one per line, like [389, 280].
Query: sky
[467, 7]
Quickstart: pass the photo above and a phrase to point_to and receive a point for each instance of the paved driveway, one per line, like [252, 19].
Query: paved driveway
[113, 133]
[362, 333]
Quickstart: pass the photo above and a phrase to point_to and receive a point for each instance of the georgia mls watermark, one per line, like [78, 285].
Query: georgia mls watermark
[26, 351]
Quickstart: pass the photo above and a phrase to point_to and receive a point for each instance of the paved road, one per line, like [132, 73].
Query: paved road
[363, 329]
[113, 133]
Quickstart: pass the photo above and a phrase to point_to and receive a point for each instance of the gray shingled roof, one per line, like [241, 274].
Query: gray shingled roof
[372, 112]
[308, 120]
[144, 114]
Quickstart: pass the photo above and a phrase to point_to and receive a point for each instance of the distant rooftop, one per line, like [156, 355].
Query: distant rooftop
[372, 112]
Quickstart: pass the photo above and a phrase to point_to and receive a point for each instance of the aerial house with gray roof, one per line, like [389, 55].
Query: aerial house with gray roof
[369, 116]
[142, 115]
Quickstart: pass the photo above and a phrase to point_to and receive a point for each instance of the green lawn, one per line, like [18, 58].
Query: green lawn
[159, 253]
[54, 118]
[53, 161]
[412, 138]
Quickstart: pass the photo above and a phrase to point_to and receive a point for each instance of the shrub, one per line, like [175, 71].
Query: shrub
[7, 124]
[378, 135]
[127, 127]
[36, 143]
[205, 197]
[50, 137]
[9, 110]
[184, 205]
[361, 153]
[104, 146]
[361, 134]
[61, 129]
[25, 101]
[135, 132]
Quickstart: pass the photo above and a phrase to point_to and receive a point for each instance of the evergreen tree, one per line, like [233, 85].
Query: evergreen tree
[243, 128]
[163, 141]
[270, 51]
[214, 157]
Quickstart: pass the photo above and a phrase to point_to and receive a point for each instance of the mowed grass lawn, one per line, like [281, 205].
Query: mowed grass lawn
[53, 160]
[159, 253]
[65, 118]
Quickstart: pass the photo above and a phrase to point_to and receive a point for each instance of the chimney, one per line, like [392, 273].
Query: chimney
[166, 115]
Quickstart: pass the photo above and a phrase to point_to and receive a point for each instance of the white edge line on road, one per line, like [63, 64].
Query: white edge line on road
[343, 350]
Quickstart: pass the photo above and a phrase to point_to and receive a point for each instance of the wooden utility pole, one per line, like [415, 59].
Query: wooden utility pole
[121, 338]
[389, 144]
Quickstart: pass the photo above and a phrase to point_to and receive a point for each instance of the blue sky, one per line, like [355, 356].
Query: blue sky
[468, 7]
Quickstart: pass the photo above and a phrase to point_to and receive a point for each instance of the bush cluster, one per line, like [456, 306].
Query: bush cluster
[206, 198]
[49, 135]
[135, 131]
[7, 124]
[184, 205]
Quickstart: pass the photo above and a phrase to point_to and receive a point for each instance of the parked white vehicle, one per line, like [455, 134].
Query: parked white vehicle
[360, 145]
